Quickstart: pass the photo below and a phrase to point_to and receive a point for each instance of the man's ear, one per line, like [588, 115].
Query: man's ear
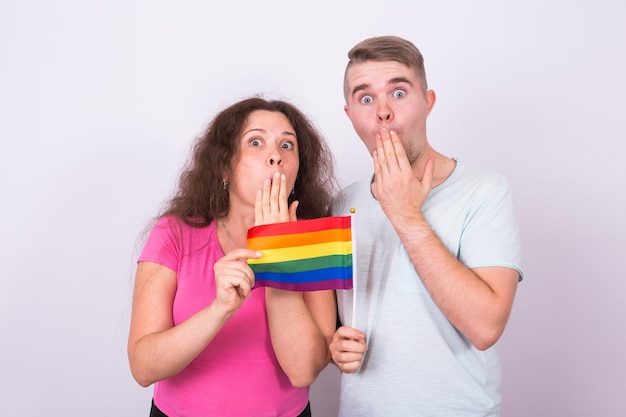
[431, 98]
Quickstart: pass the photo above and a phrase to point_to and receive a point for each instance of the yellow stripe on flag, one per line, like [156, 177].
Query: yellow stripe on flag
[303, 252]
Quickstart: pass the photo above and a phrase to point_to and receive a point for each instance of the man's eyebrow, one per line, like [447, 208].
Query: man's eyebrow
[395, 80]
[359, 87]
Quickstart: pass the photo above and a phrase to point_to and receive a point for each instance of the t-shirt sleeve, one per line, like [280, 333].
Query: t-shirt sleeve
[162, 246]
[491, 236]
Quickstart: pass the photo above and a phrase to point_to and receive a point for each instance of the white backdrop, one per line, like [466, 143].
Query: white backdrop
[100, 101]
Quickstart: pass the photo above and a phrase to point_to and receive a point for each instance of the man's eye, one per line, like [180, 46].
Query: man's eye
[366, 99]
[399, 93]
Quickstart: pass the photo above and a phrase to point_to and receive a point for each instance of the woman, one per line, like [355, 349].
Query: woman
[211, 345]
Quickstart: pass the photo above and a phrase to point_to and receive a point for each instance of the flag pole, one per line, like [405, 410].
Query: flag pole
[354, 265]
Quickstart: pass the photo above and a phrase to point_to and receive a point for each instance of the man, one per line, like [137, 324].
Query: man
[438, 255]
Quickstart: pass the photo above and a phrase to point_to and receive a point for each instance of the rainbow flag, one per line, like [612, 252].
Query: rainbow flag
[305, 255]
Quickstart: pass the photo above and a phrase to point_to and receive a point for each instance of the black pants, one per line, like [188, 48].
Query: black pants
[155, 412]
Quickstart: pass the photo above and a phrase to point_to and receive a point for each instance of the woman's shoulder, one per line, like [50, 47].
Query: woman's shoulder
[175, 226]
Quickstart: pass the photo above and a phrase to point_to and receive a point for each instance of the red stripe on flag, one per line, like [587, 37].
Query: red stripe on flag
[301, 226]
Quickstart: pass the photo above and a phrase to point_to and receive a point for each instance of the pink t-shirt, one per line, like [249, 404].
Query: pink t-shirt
[237, 374]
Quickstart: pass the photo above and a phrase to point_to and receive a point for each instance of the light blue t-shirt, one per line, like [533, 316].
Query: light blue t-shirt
[417, 363]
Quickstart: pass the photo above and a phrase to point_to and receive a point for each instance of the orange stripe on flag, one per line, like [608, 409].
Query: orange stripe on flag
[300, 239]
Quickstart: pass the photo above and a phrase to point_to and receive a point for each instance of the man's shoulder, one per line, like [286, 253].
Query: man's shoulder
[351, 194]
[469, 173]
[358, 186]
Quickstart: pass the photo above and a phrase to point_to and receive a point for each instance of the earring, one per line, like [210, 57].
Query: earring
[225, 182]
[293, 190]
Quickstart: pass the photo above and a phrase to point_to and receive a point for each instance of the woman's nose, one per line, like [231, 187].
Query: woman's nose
[275, 158]
[276, 161]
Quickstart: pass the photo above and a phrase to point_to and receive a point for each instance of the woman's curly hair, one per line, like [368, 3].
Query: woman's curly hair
[201, 196]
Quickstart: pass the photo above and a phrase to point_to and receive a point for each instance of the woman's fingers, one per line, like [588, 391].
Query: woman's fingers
[234, 278]
[272, 201]
[283, 195]
[292, 211]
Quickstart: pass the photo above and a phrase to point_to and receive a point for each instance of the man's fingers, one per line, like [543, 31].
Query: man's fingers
[347, 332]
[400, 153]
[390, 157]
[347, 348]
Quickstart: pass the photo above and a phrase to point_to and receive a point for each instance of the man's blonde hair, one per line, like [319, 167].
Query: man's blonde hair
[387, 48]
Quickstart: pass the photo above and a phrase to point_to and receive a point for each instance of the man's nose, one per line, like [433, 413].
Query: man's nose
[384, 112]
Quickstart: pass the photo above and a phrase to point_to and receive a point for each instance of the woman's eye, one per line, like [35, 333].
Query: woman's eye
[366, 99]
[287, 145]
[399, 93]
[255, 142]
